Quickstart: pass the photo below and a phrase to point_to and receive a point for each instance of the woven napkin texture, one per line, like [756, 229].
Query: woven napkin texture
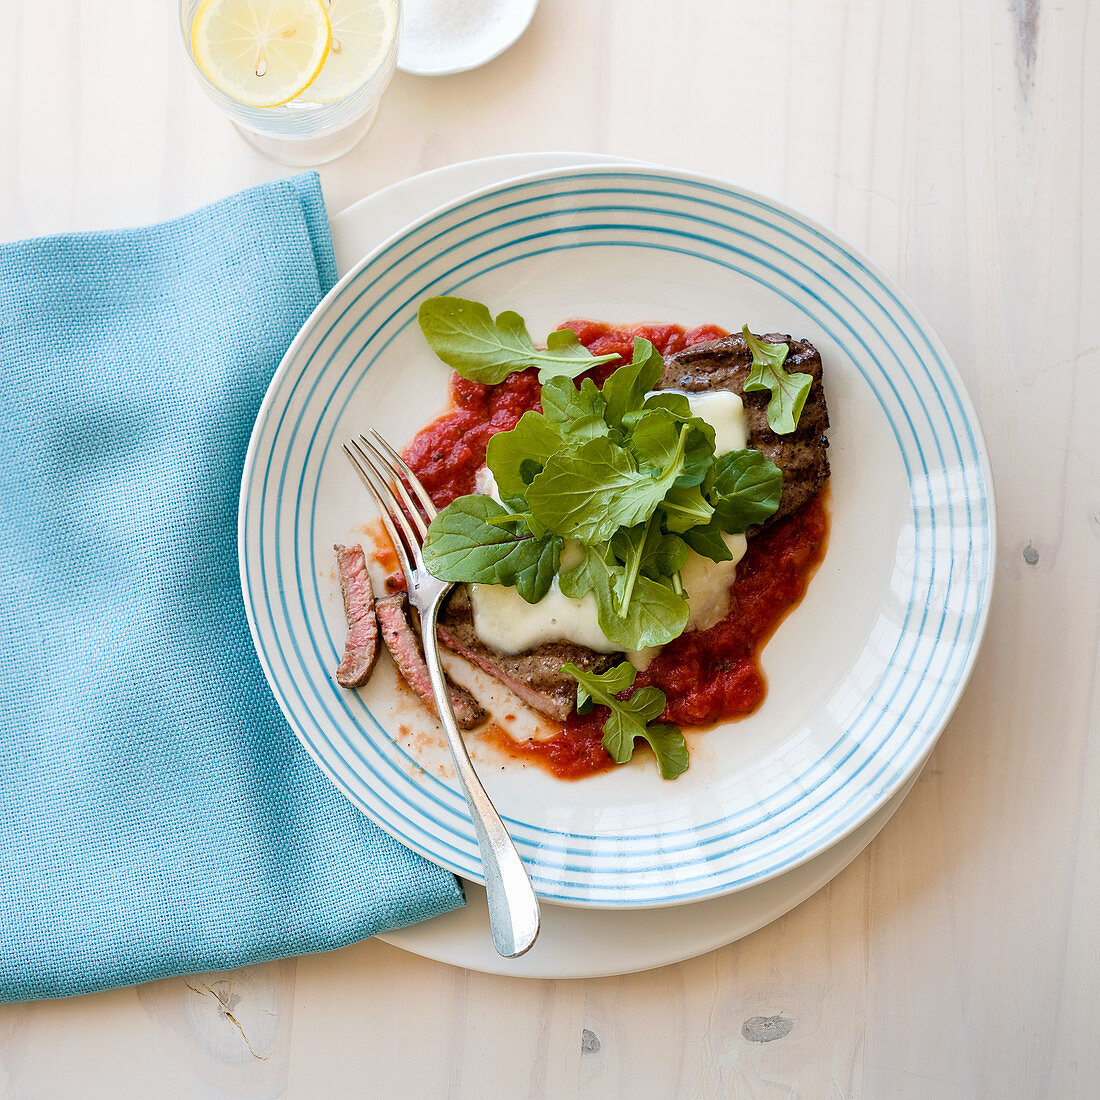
[157, 815]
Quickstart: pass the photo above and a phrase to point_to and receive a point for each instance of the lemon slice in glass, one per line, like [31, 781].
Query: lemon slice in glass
[362, 33]
[261, 52]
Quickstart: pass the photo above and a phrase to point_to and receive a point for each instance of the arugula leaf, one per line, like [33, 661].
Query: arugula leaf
[670, 401]
[593, 687]
[707, 540]
[788, 390]
[538, 569]
[656, 553]
[592, 574]
[588, 492]
[746, 490]
[528, 470]
[655, 439]
[472, 539]
[670, 748]
[684, 509]
[464, 335]
[627, 544]
[657, 435]
[655, 614]
[577, 414]
[569, 415]
[626, 388]
[630, 718]
[567, 350]
[563, 403]
[663, 555]
[515, 457]
[647, 555]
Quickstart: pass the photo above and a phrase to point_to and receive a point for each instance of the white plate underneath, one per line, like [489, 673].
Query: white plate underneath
[575, 942]
[596, 943]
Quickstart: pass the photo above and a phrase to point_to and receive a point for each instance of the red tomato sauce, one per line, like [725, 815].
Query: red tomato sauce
[706, 675]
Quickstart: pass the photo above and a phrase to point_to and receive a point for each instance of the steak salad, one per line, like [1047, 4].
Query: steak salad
[627, 512]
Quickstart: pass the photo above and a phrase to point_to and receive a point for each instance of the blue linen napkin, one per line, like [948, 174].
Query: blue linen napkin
[157, 815]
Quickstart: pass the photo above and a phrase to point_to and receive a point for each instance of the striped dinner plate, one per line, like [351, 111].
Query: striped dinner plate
[862, 676]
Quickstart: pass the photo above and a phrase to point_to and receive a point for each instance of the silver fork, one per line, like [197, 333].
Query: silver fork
[513, 908]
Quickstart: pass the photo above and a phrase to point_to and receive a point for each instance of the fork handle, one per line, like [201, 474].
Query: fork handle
[513, 908]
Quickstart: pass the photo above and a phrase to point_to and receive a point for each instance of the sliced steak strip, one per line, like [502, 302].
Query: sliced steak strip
[534, 675]
[725, 364]
[361, 645]
[403, 642]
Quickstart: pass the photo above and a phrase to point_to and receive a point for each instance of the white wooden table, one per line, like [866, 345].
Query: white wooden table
[957, 144]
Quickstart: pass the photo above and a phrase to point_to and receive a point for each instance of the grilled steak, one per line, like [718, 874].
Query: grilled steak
[725, 364]
[535, 675]
[361, 645]
[404, 645]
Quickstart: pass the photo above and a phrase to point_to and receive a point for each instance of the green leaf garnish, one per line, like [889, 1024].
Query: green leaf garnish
[648, 550]
[707, 540]
[566, 405]
[625, 390]
[588, 492]
[630, 718]
[788, 390]
[684, 509]
[658, 439]
[655, 614]
[464, 335]
[747, 488]
[514, 458]
[468, 542]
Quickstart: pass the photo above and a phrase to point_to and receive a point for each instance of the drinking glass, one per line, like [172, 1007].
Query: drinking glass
[301, 132]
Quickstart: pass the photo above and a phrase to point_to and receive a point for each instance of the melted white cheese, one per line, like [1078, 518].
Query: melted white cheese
[725, 413]
[707, 584]
[485, 484]
[506, 622]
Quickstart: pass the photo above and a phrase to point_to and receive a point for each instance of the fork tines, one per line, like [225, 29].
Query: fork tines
[399, 467]
[388, 479]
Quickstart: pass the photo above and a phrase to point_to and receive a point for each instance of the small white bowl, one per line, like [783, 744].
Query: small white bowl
[452, 36]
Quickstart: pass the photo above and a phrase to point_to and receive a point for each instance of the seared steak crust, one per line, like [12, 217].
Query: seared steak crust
[534, 675]
[725, 364]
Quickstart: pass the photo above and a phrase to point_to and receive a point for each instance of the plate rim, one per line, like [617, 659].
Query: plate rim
[983, 584]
